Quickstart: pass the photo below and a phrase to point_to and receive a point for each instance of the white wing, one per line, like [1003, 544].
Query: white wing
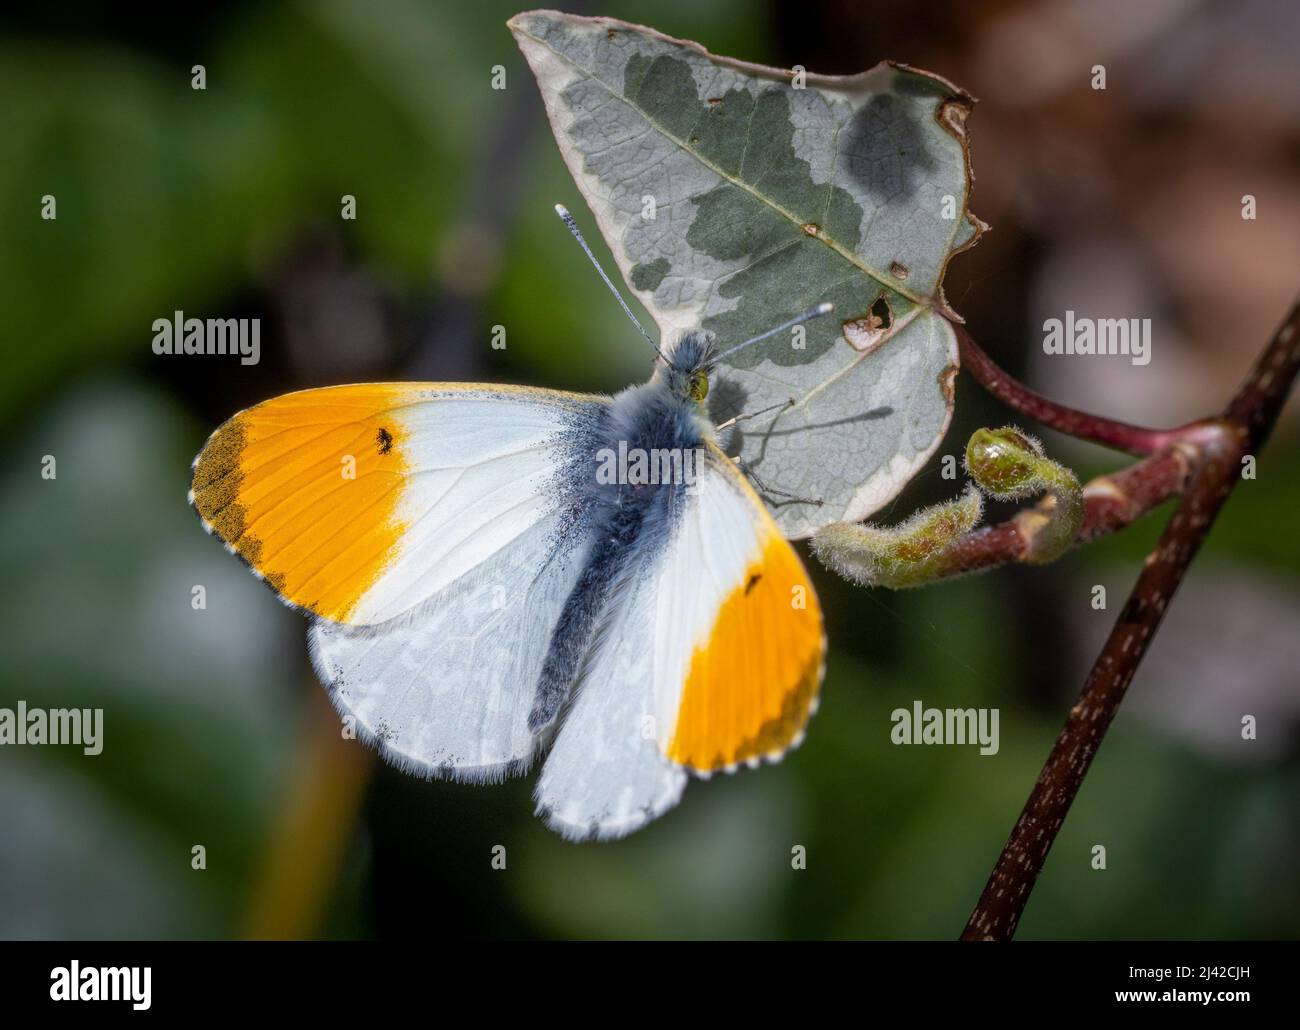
[446, 689]
[436, 571]
[606, 776]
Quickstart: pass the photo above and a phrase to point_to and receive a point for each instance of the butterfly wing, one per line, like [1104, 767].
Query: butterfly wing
[740, 649]
[712, 657]
[357, 503]
[605, 775]
[427, 528]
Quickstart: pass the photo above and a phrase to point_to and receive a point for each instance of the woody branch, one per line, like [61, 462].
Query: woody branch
[1213, 450]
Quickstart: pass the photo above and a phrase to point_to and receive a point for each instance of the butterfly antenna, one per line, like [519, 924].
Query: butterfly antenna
[824, 308]
[563, 212]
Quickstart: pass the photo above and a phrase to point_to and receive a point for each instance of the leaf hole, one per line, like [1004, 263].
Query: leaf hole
[869, 330]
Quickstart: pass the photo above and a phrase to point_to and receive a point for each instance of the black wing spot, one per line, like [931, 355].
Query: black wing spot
[753, 582]
[385, 440]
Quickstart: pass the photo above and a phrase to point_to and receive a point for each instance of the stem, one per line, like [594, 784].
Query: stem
[1216, 468]
[1017, 396]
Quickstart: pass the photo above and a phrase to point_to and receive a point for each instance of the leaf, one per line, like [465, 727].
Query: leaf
[734, 197]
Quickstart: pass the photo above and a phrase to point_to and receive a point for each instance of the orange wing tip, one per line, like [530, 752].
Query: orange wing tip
[753, 684]
[276, 481]
[216, 482]
[211, 530]
[755, 761]
[189, 499]
[783, 735]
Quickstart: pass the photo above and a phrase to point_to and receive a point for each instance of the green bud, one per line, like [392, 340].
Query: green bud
[905, 555]
[1009, 465]
[1006, 463]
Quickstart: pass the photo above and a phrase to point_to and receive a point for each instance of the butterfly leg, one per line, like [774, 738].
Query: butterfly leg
[763, 488]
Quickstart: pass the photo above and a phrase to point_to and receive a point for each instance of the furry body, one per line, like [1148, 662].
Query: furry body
[628, 522]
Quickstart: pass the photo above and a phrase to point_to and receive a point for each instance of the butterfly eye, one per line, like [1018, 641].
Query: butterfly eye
[699, 386]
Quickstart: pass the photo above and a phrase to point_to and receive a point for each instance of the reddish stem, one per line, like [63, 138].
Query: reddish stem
[1017, 396]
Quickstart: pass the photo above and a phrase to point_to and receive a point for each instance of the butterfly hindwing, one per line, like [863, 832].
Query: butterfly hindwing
[606, 775]
[446, 689]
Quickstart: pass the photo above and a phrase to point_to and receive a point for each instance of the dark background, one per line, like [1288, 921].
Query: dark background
[1117, 203]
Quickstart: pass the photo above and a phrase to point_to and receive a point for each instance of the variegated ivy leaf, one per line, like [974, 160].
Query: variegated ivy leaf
[734, 197]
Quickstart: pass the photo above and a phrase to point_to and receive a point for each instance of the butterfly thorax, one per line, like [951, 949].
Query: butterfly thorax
[645, 452]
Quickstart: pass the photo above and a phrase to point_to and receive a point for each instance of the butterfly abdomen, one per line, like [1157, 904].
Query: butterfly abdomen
[581, 613]
[625, 517]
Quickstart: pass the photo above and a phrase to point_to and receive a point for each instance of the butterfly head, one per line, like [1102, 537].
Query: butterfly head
[689, 365]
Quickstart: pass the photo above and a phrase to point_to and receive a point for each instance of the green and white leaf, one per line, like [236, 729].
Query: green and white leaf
[770, 194]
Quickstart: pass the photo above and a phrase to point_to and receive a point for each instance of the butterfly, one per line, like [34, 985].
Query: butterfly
[497, 572]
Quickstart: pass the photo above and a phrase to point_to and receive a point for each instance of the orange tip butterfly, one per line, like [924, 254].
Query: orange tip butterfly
[497, 572]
